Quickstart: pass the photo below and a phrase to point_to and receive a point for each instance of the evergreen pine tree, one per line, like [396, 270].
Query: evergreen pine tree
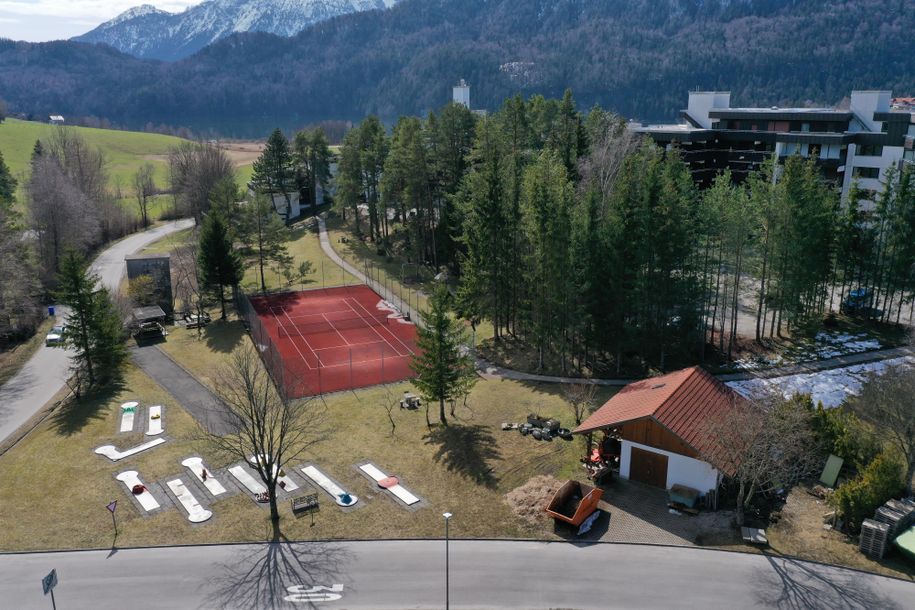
[443, 369]
[274, 171]
[220, 265]
[94, 330]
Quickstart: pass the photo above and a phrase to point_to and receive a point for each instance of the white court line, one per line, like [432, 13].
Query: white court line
[336, 331]
[388, 330]
[324, 349]
[279, 326]
[307, 344]
[311, 315]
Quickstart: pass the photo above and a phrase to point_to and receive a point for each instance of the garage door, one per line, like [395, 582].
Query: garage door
[648, 467]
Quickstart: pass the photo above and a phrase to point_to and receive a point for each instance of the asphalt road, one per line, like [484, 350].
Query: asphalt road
[410, 574]
[47, 371]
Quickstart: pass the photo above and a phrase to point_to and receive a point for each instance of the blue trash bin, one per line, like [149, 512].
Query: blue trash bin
[51, 311]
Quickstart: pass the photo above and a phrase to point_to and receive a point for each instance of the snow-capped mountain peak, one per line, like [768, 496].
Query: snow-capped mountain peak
[147, 32]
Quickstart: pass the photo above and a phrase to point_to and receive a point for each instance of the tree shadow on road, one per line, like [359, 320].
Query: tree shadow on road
[73, 414]
[261, 576]
[466, 450]
[792, 583]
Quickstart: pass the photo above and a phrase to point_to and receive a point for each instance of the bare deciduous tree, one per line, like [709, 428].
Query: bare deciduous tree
[59, 213]
[766, 445]
[605, 160]
[194, 172]
[580, 397]
[272, 431]
[389, 401]
[144, 189]
[887, 402]
[188, 285]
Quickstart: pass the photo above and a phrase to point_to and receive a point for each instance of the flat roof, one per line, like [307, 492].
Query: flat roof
[141, 257]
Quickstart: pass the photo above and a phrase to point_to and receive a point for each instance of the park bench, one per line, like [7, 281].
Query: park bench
[305, 504]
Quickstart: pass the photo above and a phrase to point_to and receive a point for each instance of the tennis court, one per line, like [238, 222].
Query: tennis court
[335, 339]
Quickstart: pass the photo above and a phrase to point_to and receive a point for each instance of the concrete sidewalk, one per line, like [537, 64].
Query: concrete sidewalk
[197, 399]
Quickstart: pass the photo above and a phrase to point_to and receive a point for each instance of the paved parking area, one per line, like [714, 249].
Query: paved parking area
[638, 513]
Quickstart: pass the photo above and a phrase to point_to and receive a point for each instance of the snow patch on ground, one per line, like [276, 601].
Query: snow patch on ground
[830, 387]
[825, 345]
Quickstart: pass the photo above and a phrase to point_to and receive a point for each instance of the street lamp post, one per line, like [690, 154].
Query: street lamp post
[447, 517]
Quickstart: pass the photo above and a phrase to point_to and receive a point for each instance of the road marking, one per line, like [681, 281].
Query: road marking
[299, 593]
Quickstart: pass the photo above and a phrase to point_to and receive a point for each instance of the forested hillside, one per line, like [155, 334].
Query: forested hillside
[637, 57]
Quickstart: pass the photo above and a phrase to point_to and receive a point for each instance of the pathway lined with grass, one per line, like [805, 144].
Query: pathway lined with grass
[46, 373]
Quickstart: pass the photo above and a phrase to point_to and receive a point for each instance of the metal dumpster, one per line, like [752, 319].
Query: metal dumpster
[574, 502]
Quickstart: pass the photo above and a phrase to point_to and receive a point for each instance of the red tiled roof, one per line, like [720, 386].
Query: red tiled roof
[684, 402]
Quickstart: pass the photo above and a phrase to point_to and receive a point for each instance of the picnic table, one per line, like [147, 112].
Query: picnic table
[410, 401]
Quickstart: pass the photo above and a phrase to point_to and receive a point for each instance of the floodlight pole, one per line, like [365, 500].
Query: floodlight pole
[447, 517]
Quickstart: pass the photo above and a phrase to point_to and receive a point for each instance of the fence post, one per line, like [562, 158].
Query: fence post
[382, 363]
[350, 367]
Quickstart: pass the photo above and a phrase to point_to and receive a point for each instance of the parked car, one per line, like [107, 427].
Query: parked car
[55, 336]
[149, 330]
[859, 303]
[192, 320]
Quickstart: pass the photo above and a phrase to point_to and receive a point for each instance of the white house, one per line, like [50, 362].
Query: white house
[665, 428]
[56, 119]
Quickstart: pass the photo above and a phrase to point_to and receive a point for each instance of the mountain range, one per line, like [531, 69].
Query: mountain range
[149, 33]
[636, 57]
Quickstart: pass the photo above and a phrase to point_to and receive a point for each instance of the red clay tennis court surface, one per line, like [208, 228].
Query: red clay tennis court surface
[336, 339]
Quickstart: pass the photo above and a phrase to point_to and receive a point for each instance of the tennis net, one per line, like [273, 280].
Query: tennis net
[297, 330]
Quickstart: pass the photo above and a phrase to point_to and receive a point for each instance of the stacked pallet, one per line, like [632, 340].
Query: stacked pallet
[874, 538]
[897, 514]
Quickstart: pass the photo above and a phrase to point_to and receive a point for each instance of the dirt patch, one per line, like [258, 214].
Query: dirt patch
[800, 531]
[242, 153]
[529, 500]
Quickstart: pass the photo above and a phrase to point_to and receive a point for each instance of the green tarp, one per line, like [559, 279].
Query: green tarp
[905, 542]
[831, 471]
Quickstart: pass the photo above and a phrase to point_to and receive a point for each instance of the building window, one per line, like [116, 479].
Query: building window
[870, 150]
[867, 172]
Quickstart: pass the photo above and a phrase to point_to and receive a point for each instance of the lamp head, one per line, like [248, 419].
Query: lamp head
[446, 516]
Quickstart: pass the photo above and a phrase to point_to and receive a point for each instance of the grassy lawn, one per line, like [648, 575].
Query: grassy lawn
[170, 243]
[305, 247]
[125, 151]
[15, 356]
[466, 468]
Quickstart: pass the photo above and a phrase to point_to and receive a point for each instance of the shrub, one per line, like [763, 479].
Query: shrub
[857, 499]
[842, 434]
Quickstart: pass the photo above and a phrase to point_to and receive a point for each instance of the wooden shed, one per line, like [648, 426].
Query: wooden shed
[664, 425]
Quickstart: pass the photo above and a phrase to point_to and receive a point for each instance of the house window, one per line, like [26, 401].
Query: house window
[867, 172]
[870, 150]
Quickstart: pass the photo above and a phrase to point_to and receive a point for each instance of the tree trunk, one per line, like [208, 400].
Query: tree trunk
[222, 303]
[741, 498]
[441, 411]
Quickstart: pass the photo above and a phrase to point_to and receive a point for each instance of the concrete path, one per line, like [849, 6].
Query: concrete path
[491, 371]
[46, 373]
[196, 398]
[411, 574]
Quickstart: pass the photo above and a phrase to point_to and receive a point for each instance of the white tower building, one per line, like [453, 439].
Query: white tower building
[461, 94]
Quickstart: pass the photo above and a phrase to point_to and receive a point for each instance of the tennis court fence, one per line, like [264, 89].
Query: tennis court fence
[287, 382]
[293, 380]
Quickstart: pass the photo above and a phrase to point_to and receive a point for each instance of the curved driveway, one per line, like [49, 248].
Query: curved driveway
[47, 371]
[410, 574]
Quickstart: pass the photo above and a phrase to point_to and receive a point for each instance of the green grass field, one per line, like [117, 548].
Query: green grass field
[125, 152]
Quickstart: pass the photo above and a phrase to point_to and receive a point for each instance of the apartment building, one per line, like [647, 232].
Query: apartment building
[862, 141]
